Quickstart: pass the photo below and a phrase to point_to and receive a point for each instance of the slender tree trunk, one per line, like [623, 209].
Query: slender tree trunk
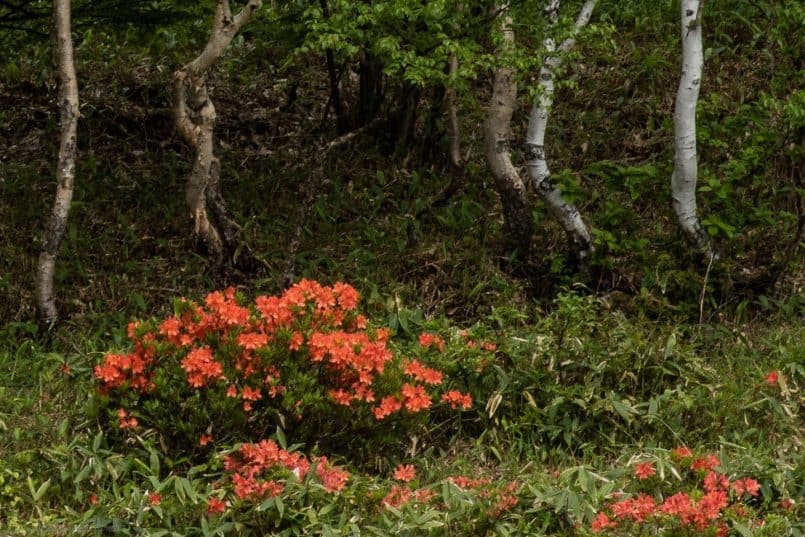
[370, 88]
[195, 117]
[65, 170]
[342, 123]
[517, 221]
[683, 180]
[537, 165]
[453, 124]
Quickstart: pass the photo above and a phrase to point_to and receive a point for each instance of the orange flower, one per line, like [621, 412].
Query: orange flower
[421, 373]
[644, 470]
[457, 399]
[215, 506]
[602, 522]
[333, 478]
[252, 340]
[204, 439]
[297, 339]
[772, 378]
[430, 340]
[201, 367]
[388, 405]
[154, 498]
[415, 398]
[706, 463]
[405, 472]
[681, 452]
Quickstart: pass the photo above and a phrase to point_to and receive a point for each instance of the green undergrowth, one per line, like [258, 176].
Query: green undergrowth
[571, 396]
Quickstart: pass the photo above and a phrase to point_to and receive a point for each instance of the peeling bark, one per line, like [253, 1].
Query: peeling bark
[517, 223]
[565, 212]
[65, 170]
[194, 114]
[683, 180]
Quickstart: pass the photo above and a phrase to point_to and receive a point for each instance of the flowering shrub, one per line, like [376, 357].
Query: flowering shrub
[259, 470]
[704, 509]
[224, 368]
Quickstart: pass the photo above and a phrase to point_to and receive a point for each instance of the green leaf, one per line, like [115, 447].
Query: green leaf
[743, 530]
[43, 488]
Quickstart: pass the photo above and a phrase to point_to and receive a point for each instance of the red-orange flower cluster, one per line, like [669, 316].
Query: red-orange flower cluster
[644, 470]
[405, 472]
[457, 399]
[247, 353]
[259, 470]
[699, 511]
[431, 340]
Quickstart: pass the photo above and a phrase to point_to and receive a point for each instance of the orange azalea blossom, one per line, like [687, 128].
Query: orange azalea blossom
[464, 482]
[746, 486]
[215, 506]
[250, 461]
[388, 406]
[405, 472]
[297, 339]
[714, 481]
[507, 499]
[415, 398]
[252, 340]
[421, 373]
[457, 399]
[125, 421]
[399, 495]
[644, 470]
[333, 479]
[602, 522]
[202, 368]
[131, 369]
[431, 340]
[204, 439]
[706, 463]
[681, 452]
[154, 498]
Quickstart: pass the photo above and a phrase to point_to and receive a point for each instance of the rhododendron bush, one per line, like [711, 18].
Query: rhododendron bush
[305, 360]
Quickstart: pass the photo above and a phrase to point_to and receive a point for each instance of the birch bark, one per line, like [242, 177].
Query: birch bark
[195, 117]
[65, 169]
[565, 212]
[683, 180]
[517, 221]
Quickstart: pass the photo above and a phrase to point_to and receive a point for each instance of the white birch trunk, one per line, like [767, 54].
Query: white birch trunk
[65, 169]
[517, 221]
[566, 213]
[683, 180]
[195, 118]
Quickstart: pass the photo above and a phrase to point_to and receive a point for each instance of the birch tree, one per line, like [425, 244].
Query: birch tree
[565, 212]
[65, 168]
[517, 221]
[195, 118]
[683, 180]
